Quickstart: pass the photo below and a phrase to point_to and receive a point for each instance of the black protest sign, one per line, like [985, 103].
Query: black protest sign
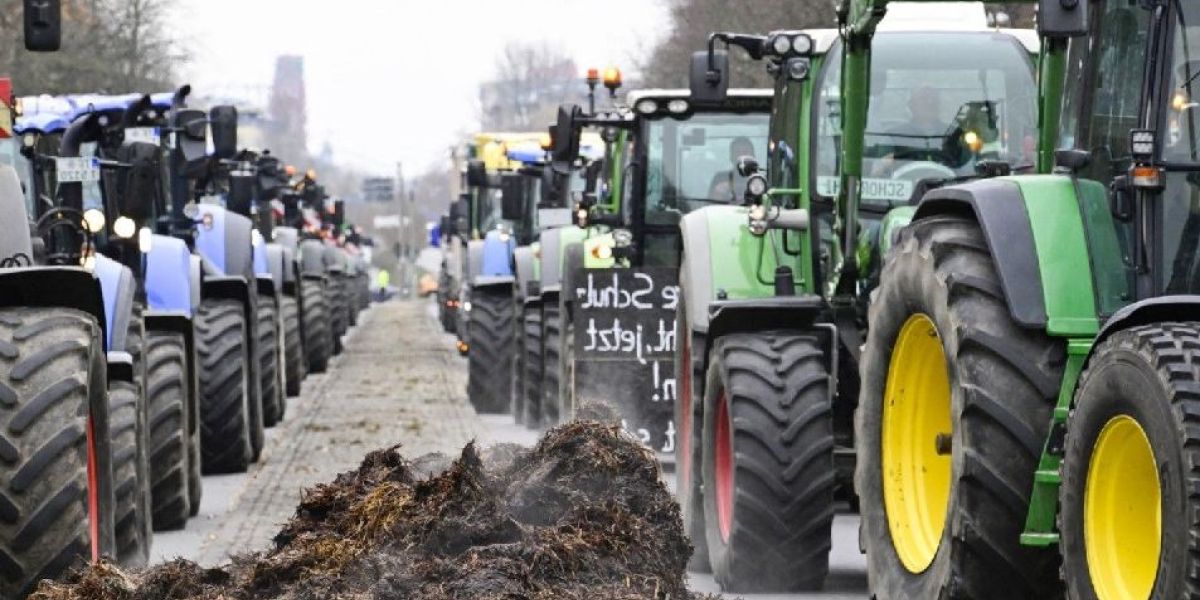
[624, 321]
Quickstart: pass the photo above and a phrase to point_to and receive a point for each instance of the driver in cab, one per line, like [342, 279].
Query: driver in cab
[726, 184]
[925, 131]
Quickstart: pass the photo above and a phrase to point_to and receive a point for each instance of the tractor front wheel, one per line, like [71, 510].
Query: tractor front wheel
[1132, 458]
[295, 368]
[491, 331]
[768, 462]
[225, 415]
[167, 427]
[689, 376]
[953, 411]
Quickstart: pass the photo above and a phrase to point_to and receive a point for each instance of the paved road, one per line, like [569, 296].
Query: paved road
[399, 380]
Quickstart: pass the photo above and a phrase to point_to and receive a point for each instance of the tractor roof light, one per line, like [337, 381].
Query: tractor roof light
[647, 106]
[781, 44]
[802, 44]
[612, 79]
[124, 227]
[93, 220]
[1141, 144]
[145, 240]
[1149, 178]
[593, 77]
[798, 68]
[677, 106]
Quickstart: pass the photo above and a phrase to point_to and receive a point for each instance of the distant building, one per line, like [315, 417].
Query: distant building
[288, 111]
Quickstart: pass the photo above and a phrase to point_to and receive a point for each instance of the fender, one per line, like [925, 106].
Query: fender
[179, 322]
[195, 275]
[497, 254]
[117, 288]
[572, 271]
[120, 366]
[265, 286]
[15, 240]
[261, 261]
[312, 258]
[60, 287]
[1152, 310]
[998, 206]
[525, 265]
[290, 271]
[169, 284]
[275, 262]
[333, 259]
[474, 260]
[286, 237]
[553, 243]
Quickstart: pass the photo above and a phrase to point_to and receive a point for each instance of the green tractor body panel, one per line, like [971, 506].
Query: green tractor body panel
[742, 264]
[1062, 248]
[590, 258]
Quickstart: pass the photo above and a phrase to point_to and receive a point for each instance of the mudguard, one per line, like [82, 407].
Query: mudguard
[264, 285]
[497, 254]
[275, 264]
[286, 237]
[474, 267]
[15, 241]
[62, 287]
[195, 270]
[721, 259]
[120, 366]
[525, 265]
[169, 284]
[1151, 310]
[117, 288]
[262, 264]
[333, 258]
[553, 243]
[223, 238]
[312, 258]
[999, 207]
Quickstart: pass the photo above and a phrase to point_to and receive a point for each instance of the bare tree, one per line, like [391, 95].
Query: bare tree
[532, 79]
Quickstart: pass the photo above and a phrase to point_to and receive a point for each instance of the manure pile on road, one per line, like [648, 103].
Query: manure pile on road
[581, 515]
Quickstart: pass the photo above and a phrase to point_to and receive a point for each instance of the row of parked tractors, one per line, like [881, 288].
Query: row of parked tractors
[944, 275]
[163, 293]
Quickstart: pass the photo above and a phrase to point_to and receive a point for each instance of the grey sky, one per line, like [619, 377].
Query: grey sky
[393, 80]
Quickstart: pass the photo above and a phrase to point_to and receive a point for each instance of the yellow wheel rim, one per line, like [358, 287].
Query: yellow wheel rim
[1122, 512]
[916, 443]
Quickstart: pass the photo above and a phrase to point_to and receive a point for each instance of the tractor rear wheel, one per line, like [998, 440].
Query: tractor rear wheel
[335, 299]
[1131, 460]
[293, 351]
[689, 371]
[768, 462]
[268, 362]
[166, 400]
[55, 456]
[318, 340]
[553, 366]
[491, 334]
[954, 407]
[225, 412]
[517, 393]
[531, 393]
[131, 474]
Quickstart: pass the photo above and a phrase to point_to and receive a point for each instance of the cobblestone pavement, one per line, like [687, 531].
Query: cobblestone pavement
[398, 381]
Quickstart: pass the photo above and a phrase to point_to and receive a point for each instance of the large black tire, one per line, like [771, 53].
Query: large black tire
[492, 328]
[1005, 381]
[295, 367]
[1151, 376]
[531, 394]
[45, 484]
[335, 299]
[225, 415]
[350, 298]
[318, 340]
[517, 393]
[553, 365]
[767, 462]
[166, 401]
[130, 472]
[689, 419]
[269, 362]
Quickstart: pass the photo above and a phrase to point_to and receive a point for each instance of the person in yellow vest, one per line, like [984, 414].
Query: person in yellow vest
[382, 279]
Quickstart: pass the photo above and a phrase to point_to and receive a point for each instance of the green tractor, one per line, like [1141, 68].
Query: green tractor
[1031, 377]
[669, 153]
[775, 289]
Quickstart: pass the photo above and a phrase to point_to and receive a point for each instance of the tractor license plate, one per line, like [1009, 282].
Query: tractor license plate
[147, 135]
[83, 169]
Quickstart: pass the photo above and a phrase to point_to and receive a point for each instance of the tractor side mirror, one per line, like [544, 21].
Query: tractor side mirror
[1062, 18]
[476, 174]
[241, 192]
[460, 217]
[43, 25]
[224, 123]
[512, 198]
[566, 133]
[747, 166]
[709, 81]
[192, 137]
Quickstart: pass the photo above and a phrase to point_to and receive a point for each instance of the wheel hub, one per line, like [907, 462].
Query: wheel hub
[723, 471]
[917, 443]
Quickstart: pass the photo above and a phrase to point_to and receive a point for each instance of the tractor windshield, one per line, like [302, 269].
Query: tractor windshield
[490, 208]
[940, 103]
[692, 163]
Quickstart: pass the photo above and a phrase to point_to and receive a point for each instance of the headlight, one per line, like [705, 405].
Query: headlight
[504, 237]
[93, 220]
[622, 237]
[28, 140]
[256, 237]
[798, 69]
[124, 227]
[602, 251]
[756, 185]
[466, 306]
[802, 44]
[145, 240]
[647, 106]
[89, 262]
[191, 210]
[677, 106]
[973, 141]
[781, 45]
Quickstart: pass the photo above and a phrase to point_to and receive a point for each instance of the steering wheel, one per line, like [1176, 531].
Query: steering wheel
[70, 222]
[916, 171]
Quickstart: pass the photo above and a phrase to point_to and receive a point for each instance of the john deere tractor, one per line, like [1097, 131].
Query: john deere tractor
[1030, 377]
[775, 288]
